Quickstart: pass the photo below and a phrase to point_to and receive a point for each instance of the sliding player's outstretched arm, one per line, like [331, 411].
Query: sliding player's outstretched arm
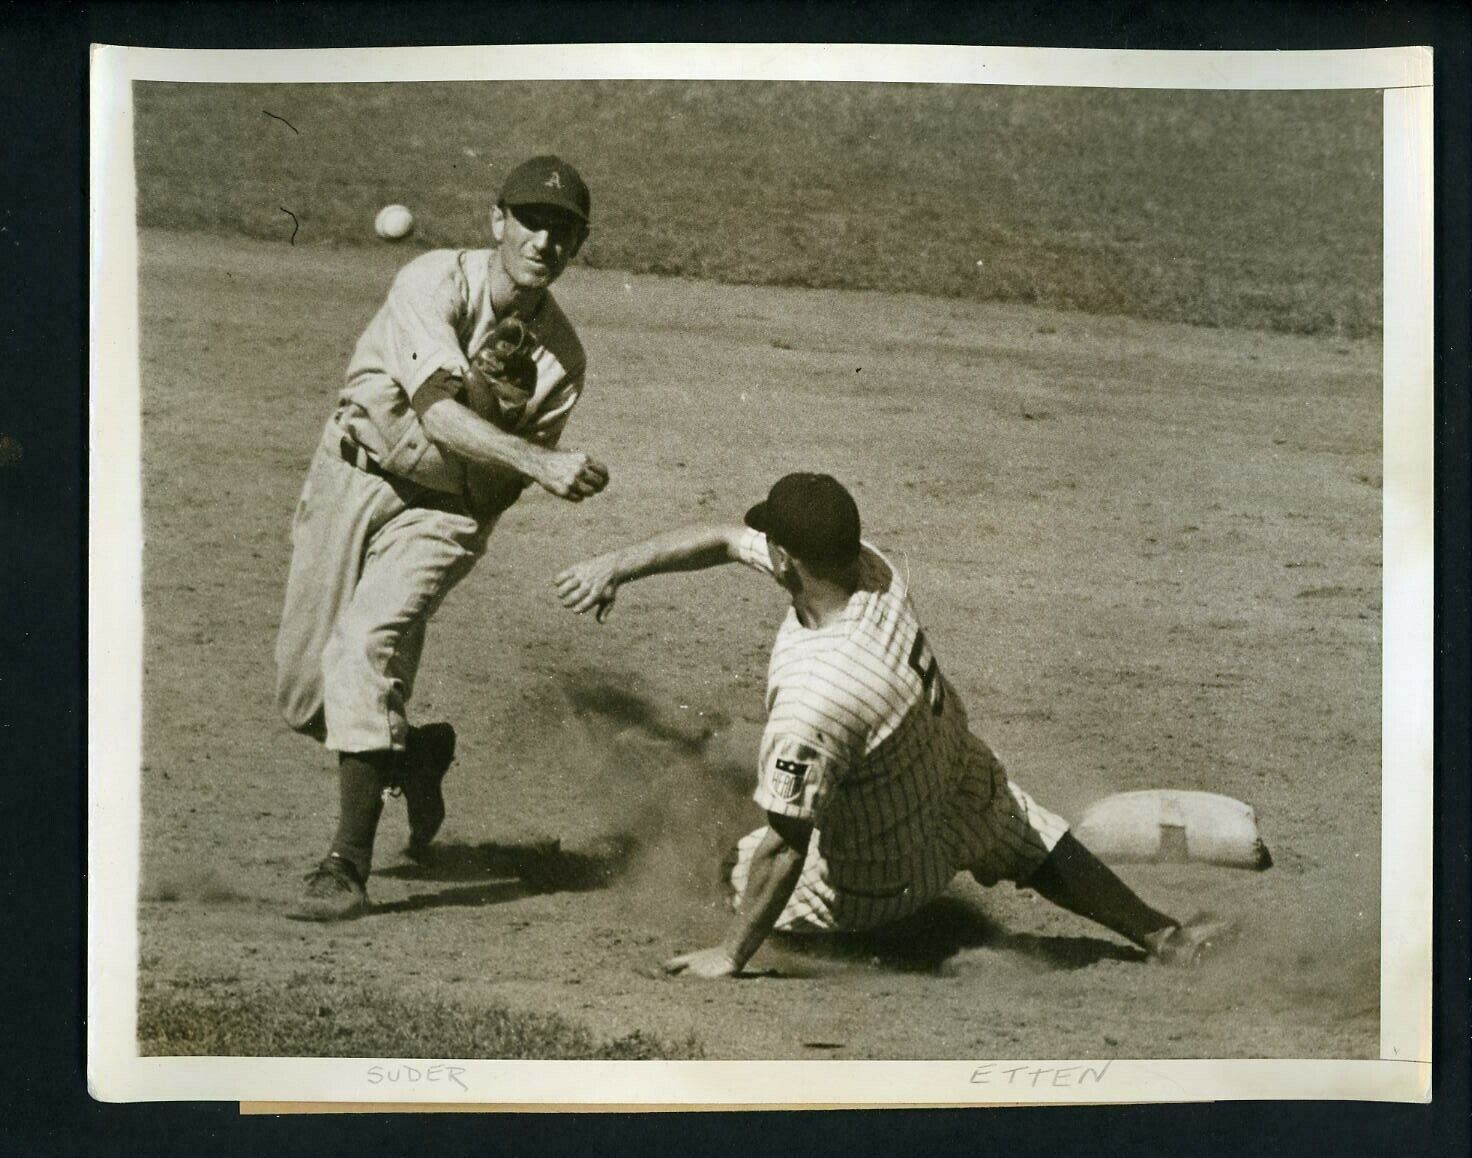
[593, 583]
[776, 867]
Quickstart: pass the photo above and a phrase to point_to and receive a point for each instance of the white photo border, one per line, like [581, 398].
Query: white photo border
[115, 640]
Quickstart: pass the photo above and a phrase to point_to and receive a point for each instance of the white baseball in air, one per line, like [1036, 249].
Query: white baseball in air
[393, 222]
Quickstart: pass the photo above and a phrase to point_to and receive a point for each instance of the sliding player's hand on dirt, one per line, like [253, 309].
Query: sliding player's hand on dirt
[707, 964]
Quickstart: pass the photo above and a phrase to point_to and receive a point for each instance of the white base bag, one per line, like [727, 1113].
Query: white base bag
[1163, 826]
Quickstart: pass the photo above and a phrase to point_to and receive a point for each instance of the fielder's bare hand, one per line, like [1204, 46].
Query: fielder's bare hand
[570, 474]
[591, 584]
[706, 964]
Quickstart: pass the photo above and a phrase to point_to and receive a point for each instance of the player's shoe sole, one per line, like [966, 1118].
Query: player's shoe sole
[430, 753]
[1188, 946]
[334, 892]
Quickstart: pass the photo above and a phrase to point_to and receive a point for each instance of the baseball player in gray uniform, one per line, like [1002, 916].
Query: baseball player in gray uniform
[454, 402]
[876, 791]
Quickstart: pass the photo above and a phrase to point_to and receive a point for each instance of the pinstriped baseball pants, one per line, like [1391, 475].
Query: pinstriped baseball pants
[994, 829]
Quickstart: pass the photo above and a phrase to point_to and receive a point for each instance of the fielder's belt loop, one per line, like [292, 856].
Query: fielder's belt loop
[356, 456]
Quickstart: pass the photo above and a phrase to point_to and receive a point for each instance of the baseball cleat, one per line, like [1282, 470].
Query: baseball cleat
[1187, 946]
[429, 755]
[334, 892]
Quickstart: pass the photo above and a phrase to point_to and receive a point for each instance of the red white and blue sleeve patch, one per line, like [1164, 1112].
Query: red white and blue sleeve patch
[795, 778]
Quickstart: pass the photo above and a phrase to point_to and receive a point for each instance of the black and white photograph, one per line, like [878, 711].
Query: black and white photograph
[909, 562]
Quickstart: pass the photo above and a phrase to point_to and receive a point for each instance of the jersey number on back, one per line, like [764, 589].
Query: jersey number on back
[922, 659]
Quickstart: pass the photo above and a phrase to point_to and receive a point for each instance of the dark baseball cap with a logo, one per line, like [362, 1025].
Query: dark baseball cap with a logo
[811, 515]
[547, 180]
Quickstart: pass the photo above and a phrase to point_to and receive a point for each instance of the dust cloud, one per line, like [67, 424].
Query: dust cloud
[677, 796]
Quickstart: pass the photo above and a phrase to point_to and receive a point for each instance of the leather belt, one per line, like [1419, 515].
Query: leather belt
[355, 455]
[412, 493]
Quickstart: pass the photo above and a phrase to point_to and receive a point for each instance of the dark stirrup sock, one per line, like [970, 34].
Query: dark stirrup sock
[1075, 879]
[361, 779]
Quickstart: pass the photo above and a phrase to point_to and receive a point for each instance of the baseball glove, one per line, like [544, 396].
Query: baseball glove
[503, 375]
[501, 381]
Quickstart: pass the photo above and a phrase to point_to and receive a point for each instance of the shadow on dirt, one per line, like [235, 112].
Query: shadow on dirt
[926, 941]
[465, 896]
[542, 866]
[597, 695]
[1065, 953]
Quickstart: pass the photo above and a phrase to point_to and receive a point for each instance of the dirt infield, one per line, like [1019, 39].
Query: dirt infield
[1148, 556]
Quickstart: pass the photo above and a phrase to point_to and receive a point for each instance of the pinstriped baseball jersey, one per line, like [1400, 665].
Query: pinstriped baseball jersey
[867, 739]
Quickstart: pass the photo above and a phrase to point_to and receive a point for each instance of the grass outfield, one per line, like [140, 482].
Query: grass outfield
[218, 1016]
[1255, 209]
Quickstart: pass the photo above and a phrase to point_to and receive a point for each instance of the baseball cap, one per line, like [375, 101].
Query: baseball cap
[547, 180]
[811, 515]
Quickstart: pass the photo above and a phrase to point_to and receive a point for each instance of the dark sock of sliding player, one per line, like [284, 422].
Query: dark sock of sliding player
[1075, 879]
